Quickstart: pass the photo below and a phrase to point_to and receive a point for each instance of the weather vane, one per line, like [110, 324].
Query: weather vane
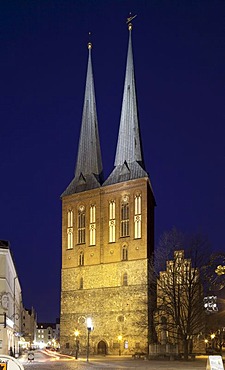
[129, 19]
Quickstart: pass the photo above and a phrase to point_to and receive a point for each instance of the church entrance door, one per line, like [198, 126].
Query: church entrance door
[102, 348]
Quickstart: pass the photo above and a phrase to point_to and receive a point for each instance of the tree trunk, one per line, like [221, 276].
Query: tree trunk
[185, 347]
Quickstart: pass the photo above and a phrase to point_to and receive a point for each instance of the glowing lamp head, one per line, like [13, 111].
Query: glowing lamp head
[89, 323]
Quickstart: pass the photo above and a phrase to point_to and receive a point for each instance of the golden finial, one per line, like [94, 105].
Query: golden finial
[129, 19]
[89, 44]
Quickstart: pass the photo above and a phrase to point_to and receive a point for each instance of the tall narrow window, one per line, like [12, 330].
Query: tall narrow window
[92, 225]
[124, 253]
[70, 229]
[125, 279]
[125, 217]
[81, 283]
[81, 259]
[81, 225]
[112, 221]
[137, 216]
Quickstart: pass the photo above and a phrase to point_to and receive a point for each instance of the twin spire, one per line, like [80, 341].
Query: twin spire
[129, 159]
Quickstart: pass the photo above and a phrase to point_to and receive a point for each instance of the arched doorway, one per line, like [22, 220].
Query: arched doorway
[102, 348]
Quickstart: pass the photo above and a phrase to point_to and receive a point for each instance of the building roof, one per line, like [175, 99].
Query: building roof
[88, 170]
[129, 163]
[5, 244]
[46, 325]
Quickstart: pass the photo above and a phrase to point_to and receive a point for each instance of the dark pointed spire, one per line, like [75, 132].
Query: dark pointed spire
[88, 170]
[129, 148]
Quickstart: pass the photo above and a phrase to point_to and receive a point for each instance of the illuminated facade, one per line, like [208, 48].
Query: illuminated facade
[107, 236]
[10, 303]
[47, 335]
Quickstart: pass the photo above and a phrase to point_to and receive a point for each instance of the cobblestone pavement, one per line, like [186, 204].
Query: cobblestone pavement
[109, 363]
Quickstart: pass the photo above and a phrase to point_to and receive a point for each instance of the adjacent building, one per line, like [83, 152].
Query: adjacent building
[29, 324]
[179, 317]
[107, 236]
[47, 335]
[10, 302]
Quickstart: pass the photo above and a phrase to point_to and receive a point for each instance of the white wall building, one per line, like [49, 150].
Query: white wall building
[47, 335]
[10, 302]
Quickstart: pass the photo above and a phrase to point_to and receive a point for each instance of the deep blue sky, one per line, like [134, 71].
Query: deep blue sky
[179, 56]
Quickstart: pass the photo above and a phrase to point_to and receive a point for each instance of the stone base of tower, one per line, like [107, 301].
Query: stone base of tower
[119, 316]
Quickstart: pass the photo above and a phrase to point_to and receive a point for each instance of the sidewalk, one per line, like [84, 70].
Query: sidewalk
[114, 363]
[126, 363]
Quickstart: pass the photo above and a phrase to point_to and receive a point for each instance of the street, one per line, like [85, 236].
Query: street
[47, 360]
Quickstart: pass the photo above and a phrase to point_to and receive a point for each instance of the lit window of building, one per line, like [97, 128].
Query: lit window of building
[81, 225]
[137, 216]
[112, 221]
[92, 225]
[124, 231]
[70, 229]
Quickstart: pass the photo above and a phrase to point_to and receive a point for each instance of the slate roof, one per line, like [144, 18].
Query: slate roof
[88, 170]
[129, 163]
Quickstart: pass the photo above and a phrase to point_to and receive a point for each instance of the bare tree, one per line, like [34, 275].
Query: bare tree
[180, 288]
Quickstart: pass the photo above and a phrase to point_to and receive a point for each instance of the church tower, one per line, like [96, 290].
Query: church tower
[107, 236]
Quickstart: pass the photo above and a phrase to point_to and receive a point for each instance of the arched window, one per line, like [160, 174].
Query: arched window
[125, 217]
[81, 259]
[137, 216]
[112, 221]
[70, 218]
[70, 238]
[92, 225]
[124, 253]
[81, 225]
[125, 279]
[70, 229]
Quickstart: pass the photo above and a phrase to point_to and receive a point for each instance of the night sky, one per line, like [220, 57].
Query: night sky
[179, 57]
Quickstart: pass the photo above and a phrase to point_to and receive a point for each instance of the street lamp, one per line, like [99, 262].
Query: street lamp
[89, 329]
[120, 339]
[76, 333]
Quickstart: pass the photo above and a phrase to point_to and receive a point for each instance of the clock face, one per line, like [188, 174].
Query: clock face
[4, 301]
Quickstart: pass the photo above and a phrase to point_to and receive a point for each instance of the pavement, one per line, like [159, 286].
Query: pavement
[116, 363]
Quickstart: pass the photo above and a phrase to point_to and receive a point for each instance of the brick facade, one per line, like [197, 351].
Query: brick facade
[97, 288]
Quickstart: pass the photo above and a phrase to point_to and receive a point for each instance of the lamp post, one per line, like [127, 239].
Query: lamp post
[213, 338]
[89, 329]
[120, 339]
[76, 333]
